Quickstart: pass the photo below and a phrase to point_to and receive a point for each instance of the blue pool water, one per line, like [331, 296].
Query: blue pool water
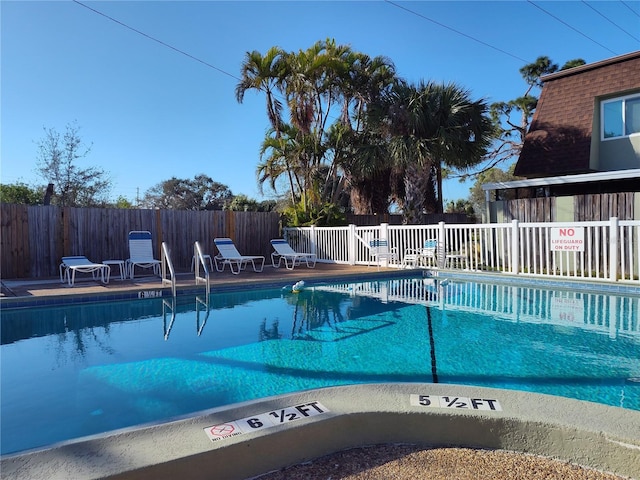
[79, 370]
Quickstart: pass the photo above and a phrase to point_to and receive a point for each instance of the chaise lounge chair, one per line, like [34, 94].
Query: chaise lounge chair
[71, 265]
[430, 255]
[141, 253]
[291, 258]
[229, 255]
[380, 250]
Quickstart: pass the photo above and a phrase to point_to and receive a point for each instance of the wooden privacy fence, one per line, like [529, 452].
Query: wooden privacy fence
[34, 238]
[583, 208]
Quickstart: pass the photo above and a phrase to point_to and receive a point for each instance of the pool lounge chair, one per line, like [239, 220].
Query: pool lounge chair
[141, 253]
[229, 255]
[71, 265]
[380, 250]
[291, 258]
[430, 255]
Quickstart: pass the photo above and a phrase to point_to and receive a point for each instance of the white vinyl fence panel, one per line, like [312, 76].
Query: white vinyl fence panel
[608, 250]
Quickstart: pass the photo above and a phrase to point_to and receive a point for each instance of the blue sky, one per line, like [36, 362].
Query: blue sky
[151, 112]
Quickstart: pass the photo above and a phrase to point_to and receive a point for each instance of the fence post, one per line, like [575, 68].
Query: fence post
[515, 247]
[383, 233]
[351, 242]
[441, 249]
[613, 249]
[441, 233]
[312, 240]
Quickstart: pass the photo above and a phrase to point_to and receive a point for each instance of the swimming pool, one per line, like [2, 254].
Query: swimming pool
[72, 371]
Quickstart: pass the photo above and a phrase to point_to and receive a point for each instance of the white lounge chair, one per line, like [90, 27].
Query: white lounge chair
[379, 249]
[141, 253]
[71, 265]
[430, 255]
[229, 255]
[291, 258]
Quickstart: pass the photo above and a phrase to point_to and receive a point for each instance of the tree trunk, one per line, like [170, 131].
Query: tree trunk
[416, 184]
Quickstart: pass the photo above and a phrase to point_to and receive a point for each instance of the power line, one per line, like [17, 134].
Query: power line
[609, 20]
[572, 28]
[634, 12]
[164, 44]
[455, 31]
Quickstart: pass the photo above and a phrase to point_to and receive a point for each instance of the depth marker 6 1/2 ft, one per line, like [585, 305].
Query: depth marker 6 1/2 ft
[264, 420]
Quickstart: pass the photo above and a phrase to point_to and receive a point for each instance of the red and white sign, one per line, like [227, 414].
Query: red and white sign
[567, 310]
[569, 239]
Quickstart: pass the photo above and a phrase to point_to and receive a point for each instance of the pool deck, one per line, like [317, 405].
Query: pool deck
[24, 289]
[243, 440]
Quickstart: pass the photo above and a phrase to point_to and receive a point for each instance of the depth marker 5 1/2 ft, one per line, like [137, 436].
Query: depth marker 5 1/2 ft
[453, 401]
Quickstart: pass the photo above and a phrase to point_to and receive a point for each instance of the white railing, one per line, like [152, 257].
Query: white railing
[608, 250]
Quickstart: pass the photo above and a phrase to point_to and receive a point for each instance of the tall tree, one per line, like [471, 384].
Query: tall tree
[431, 125]
[58, 163]
[477, 194]
[263, 73]
[512, 118]
[359, 148]
[306, 144]
[201, 193]
[21, 193]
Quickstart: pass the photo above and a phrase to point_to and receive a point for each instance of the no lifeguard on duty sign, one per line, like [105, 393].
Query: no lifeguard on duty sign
[567, 239]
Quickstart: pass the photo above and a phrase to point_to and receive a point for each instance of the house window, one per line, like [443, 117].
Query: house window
[621, 117]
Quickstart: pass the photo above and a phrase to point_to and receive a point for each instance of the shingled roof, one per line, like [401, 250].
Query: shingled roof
[559, 138]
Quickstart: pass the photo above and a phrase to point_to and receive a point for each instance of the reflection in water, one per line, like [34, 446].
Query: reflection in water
[202, 309]
[328, 307]
[314, 310]
[270, 333]
[202, 302]
[168, 309]
[607, 314]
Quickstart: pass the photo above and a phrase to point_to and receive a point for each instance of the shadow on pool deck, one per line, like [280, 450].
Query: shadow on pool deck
[45, 287]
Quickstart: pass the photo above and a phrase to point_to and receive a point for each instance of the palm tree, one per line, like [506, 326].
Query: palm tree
[279, 152]
[363, 154]
[432, 125]
[263, 73]
[464, 131]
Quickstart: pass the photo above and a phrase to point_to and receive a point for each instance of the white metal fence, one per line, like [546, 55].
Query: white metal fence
[600, 250]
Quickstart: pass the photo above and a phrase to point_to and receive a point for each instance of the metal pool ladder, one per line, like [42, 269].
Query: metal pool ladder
[199, 258]
[168, 264]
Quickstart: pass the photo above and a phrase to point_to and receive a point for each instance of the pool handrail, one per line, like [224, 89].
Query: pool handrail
[167, 263]
[199, 258]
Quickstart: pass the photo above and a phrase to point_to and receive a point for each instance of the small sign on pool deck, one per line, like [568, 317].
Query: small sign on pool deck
[453, 401]
[264, 420]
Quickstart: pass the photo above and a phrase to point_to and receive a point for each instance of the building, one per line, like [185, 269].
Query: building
[584, 139]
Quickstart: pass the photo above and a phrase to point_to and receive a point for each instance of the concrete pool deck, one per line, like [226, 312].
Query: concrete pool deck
[34, 289]
[260, 436]
[252, 438]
